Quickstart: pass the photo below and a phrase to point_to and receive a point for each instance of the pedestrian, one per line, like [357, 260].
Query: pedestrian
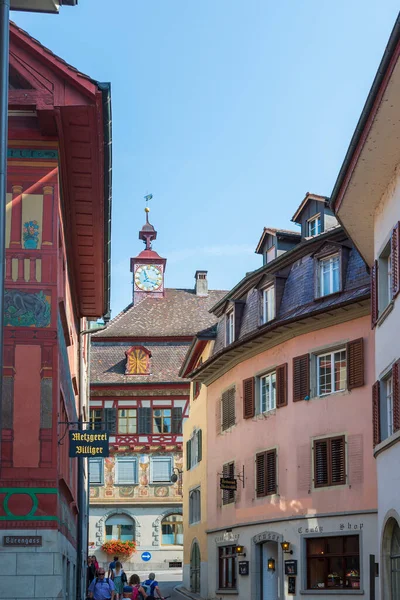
[111, 566]
[119, 578]
[127, 591]
[91, 571]
[154, 589]
[96, 564]
[138, 591]
[101, 588]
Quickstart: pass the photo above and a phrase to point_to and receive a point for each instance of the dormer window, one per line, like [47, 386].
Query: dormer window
[268, 299]
[314, 226]
[329, 275]
[230, 328]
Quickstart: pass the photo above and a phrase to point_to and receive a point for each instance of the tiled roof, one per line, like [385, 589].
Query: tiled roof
[179, 313]
[108, 362]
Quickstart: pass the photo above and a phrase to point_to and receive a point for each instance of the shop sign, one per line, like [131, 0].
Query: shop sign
[88, 443]
[243, 567]
[25, 540]
[341, 527]
[227, 483]
[292, 585]
[266, 537]
[290, 567]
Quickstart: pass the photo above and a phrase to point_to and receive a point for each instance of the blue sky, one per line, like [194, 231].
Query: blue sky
[227, 111]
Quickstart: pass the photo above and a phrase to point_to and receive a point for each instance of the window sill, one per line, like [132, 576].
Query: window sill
[329, 296]
[125, 484]
[329, 592]
[385, 313]
[264, 415]
[194, 523]
[321, 488]
[387, 443]
[227, 591]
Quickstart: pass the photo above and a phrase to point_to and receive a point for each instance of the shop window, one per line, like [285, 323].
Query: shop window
[227, 567]
[333, 563]
[120, 527]
[172, 531]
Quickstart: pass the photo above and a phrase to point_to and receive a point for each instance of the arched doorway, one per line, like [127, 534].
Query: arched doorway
[195, 560]
[120, 527]
[395, 561]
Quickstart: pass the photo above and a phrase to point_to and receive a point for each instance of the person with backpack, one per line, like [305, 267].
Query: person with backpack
[101, 588]
[119, 578]
[151, 581]
[138, 592]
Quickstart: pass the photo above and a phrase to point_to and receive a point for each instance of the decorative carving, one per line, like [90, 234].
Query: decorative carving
[137, 361]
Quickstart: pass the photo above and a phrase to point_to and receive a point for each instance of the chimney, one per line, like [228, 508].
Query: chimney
[201, 285]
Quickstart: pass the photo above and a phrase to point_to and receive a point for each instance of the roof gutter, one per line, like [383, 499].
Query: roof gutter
[105, 89]
[372, 96]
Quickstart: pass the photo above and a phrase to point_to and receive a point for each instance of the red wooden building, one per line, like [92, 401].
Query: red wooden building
[57, 277]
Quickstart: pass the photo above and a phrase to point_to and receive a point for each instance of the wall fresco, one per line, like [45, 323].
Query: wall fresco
[26, 309]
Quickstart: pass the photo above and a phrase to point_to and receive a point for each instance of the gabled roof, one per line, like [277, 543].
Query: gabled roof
[285, 233]
[76, 110]
[306, 199]
[179, 314]
[196, 348]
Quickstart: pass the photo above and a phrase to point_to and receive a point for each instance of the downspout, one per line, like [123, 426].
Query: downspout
[83, 495]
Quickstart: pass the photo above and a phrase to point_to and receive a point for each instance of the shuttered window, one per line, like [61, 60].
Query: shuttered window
[228, 409]
[396, 260]
[248, 398]
[194, 506]
[331, 372]
[281, 385]
[329, 461]
[228, 471]
[355, 363]
[177, 419]
[194, 449]
[396, 396]
[126, 470]
[110, 418]
[266, 473]
[144, 420]
[376, 413]
[96, 471]
[301, 377]
[374, 294]
[160, 469]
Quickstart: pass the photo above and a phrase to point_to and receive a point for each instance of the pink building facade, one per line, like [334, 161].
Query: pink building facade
[289, 421]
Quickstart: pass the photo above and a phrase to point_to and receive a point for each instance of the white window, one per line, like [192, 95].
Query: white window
[160, 469]
[331, 372]
[96, 471]
[125, 470]
[267, 392]
[389, 403]
[194, 506]
[385, 283]
[268, 304]
[329, 275]
[314, 226]
[230, 327]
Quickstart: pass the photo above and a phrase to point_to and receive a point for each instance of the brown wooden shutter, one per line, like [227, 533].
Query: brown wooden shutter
[301, 377]
[231, 407]
[337, 461]
[374, 294]
[224, 411]
[355, 363]
[188, 455]
[248, 398]
[376, 416]
[271, 471]
[261, 484]
[218, 416]
[228, 471]
[395, 251]
[396, 395]
[321, 470]
[281, 386]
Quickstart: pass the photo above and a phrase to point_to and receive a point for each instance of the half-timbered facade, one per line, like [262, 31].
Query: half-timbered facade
[137, 394]
[57, 277]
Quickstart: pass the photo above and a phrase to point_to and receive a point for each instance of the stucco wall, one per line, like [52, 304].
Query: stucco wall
[290, 429]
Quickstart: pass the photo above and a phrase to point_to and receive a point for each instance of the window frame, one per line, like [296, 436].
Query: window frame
[126, 459]
[320, 262]
[230, 327]
[162, 459]
[315, 219]
[119, 527]
[96, 420]
[330, 482]
[332, 353]
[163, 418]
[268, 314]
[385, 278]
[305, 572]
[260, 379]
[127, 419]
[173, 525]
[101, 461]
[195, 506]
[223, 571]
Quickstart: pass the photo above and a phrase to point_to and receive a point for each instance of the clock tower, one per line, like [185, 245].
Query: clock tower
[148, 267]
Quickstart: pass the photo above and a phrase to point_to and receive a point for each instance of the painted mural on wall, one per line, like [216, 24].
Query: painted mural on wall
[31, 235]
[26, 309]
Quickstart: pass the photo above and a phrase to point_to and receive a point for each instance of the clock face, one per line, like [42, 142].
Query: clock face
[148, 278]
